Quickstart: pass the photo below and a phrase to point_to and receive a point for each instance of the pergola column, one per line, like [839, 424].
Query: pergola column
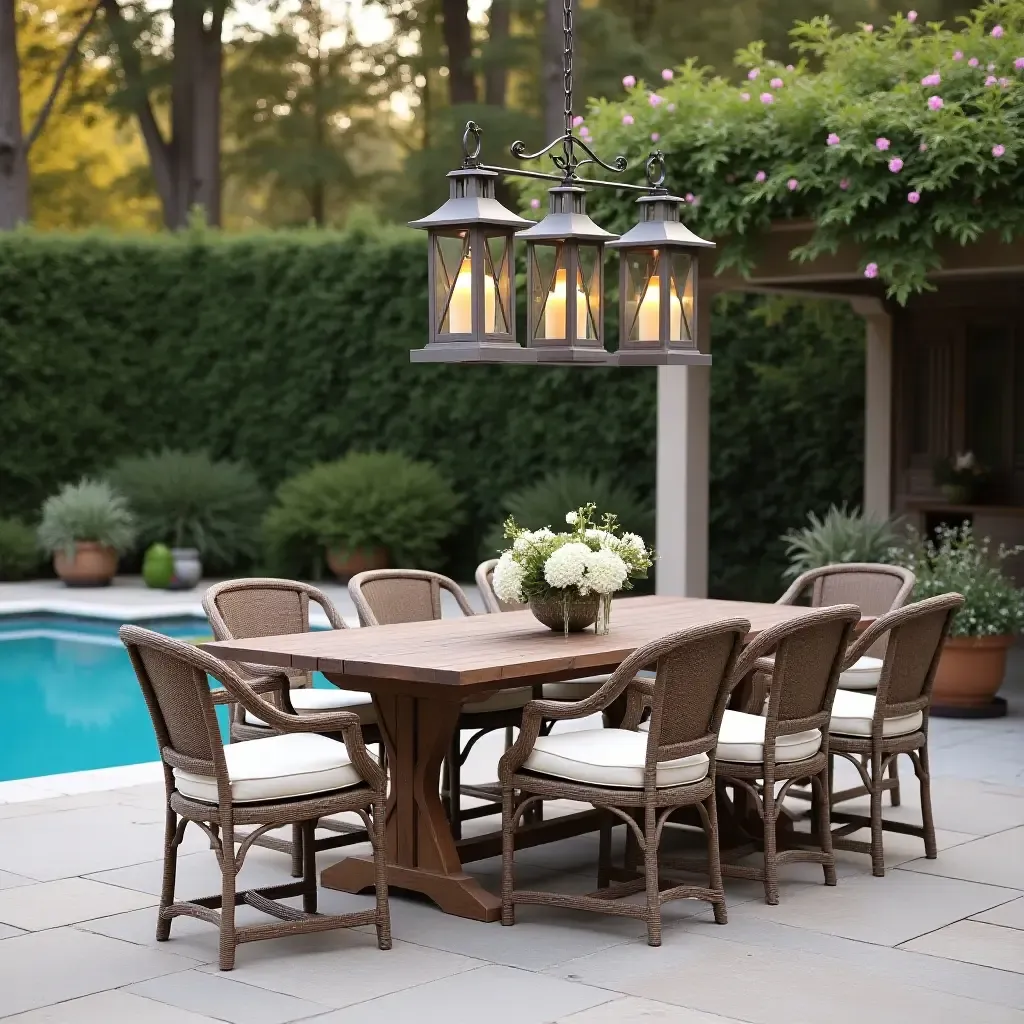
[877, 406]
[681, 537]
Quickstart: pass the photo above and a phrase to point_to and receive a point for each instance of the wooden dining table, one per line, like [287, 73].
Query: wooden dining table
[420, 673]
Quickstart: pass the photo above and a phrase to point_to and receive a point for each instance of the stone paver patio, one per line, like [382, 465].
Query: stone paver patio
[937, 941]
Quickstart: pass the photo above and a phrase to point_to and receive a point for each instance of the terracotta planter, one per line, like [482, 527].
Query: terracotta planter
[93, 565]
[566, 614]
[346, 562]
[970, 672]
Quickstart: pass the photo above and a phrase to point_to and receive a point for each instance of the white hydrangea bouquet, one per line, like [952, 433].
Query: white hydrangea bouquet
[568, 579]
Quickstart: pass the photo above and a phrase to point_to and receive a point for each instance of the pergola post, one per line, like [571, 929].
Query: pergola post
[681, 536]
[877, 406]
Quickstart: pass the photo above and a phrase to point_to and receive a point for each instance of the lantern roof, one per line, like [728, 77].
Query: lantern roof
[660, 226]
[471, 202]
[567, 219]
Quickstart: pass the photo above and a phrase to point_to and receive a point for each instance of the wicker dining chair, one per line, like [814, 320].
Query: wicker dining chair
[872, 730]
[295, 776]
[790, 741]
[639, 777]
[388, 596]
[246, 608]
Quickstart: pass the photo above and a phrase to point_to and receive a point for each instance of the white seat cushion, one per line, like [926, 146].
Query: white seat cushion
[276, 768]
[741, 739]
[609, 757]
[310, 700]
[863, 674]
[574, 689]
[503, 700]
[852, 714]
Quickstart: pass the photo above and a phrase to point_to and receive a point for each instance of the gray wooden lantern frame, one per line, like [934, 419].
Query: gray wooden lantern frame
[567, 228]
[658, 235]
[473, 213]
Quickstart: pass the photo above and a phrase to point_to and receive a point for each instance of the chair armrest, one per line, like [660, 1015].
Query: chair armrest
[265, 684]
[866, 639]
[639, 695]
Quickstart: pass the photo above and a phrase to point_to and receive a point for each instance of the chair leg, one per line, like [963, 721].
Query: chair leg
[715, 859]
[508, 910]
[297, 858]
[651, 876]
[308, 832]
[894, 774]
[380, 872]
[455, 786]
[925, 780]
[629, 857]
[604, 851]
[163, 924]
[227, 894]
[877, 850]
[819, 785]
[771, 867]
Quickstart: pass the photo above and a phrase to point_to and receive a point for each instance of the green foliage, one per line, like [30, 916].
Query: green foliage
[838, 536]
[366, 500]
[158, 566]
[957, 562]
[19, 552]
[187, 499]
[544, 503]
[281, 351]
[90, 510]
[962, 161]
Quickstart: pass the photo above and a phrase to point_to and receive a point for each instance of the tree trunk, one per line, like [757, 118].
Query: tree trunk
[459, 41]
[552, 76]
[496, 70]
[206, 145]
[14, 207]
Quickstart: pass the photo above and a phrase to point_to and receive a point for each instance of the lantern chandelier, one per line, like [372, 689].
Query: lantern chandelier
[472, 275]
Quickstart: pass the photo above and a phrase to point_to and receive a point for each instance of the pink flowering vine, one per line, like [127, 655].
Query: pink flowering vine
[913, 197]
[776, 83]
[577, 121]
[997, 32]
[832, 140]
[627, 119]
[991, 80]
[629, 81]
[1019, 63]
[753, 73]
[869, 28]
[844, 183]
[760, 177]
[535, 204]
[958, 55]
[688, 197]
[895, 165]
[767, 98]
[911, 16]
[655, 136]
[882, 143]
[935, 103]
[789, 67]
[792, 184]
[871, 270]
[667, 74]
[933, 79]
[998, 151]
[654, 99]
[973, 62]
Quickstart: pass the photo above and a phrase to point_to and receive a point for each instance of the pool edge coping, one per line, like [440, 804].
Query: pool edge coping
[89, 780]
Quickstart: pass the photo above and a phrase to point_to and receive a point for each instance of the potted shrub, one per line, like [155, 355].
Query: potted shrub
[85, 527]
[973, 661]
[368, 510]
[203, 509]
[839, 536]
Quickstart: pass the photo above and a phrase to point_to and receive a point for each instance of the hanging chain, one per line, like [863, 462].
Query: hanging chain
[567, 63]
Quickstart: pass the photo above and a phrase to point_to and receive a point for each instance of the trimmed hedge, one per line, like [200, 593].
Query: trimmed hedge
[291, 348]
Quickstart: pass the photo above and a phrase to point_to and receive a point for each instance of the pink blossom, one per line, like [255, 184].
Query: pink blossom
[654, 99]
[695, 201]
[844, 183]
[792, 184]
[895, 165]
[958, 55]
[991, 80]
[655, 136]
[1004, 82]
[935, 103]
[998, 151]
[584, 132]
[973, 62]
[627, 118]
[688, 197]
[577, 121]
[869, 28]
[911, 16]
[745, 96]
[923, 147]
[832, 140]
[789, 67]
[913, 197]
[1019, 63]
[776, 83]
[871, 270]
[882, 143]
[992, 66]
[760, 177]
[753, 73]
[666, 75]
[671, 108]
[629, 81]
[535, 204]
[933, 79]
[767, 98]
[997, 32]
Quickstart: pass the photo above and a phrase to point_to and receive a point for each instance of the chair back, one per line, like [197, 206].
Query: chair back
[385, 597]
[485, 584]
[173, 677]
[916, 635]
[873, 587]
[809, 654]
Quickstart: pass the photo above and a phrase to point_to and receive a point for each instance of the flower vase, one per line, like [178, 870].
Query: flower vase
[566, 611]
[604, 616]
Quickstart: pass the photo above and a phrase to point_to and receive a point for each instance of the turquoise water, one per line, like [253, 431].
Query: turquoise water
[70, 697]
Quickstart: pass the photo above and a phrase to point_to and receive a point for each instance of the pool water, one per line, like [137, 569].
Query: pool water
[70, 697]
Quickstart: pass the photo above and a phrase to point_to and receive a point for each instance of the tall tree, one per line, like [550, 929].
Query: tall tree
[458, 40]
[553, 75]
[499, 26]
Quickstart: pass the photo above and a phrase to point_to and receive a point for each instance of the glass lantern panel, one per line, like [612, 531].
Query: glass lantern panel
[497, 286]
[547, 292]
[453, 293]
[588, 293]
[681, 323]
[643, 295]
